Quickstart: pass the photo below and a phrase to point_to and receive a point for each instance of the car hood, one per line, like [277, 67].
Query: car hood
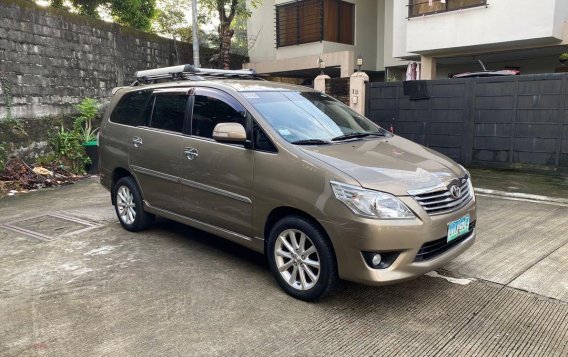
[391, 164]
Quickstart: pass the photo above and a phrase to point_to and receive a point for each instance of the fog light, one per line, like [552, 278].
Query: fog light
[376, 259]
[380, 260]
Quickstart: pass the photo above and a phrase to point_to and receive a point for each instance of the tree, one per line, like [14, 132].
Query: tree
[170, 21]
[132, 13]
[227, 11]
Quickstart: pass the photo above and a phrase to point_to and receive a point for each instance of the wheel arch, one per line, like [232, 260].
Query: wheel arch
[280, 212]
[117, 174]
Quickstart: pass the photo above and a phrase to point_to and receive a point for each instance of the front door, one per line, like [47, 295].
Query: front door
[156, 149]
[217, 178]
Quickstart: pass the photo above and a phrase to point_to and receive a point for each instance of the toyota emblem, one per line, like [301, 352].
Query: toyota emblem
[455, 191]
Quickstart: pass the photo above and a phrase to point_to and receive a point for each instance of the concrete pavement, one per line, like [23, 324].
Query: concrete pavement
[174, 290]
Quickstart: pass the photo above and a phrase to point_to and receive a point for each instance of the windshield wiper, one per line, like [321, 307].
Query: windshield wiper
[356, 135]
[311, 142]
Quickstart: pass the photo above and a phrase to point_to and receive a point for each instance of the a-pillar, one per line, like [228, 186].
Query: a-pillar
[428, 67]
[357, 89]
[319, 82]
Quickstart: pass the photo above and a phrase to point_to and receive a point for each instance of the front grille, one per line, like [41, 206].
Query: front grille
[436, 247]
[442, 201]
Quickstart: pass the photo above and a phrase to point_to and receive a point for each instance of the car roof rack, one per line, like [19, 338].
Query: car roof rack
[189, 72]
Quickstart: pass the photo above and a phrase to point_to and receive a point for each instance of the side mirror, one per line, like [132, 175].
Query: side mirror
[229, 133]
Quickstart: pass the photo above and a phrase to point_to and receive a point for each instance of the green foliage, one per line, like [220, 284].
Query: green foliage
[13, 124]
[7, 96]
[67, 145]
[563, 56]
[134, 13]
[170, 19]
[3, 156]
[392, 78]
[58, 4]
[86, 7]
[83, 125]
[68, 149]
[88, 110]
[9, 122]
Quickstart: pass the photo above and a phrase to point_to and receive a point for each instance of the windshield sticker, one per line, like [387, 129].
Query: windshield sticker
[284, 132]
[250, 95]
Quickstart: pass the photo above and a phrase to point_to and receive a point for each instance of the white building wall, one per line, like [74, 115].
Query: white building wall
[388, 42]
[399, 24]
[561, 19]
[503, 22]
[261, 31]
[261, 25]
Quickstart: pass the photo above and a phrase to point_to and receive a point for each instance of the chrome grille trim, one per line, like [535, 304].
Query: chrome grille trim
[441, 201]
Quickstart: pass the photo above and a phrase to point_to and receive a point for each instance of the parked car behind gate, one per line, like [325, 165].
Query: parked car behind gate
[287, 171]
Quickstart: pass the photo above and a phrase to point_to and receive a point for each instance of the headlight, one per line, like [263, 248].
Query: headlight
[368, 203]
[469, 182]
[465, 170]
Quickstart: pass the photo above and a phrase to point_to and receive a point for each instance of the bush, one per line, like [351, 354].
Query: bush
[83, 125]
[67, 145]
[68, 149]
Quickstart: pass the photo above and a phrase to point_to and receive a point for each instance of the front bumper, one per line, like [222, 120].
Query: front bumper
[351, 237]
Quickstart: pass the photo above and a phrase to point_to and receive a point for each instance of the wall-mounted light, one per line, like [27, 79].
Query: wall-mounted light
[359, 62]
[321, 64]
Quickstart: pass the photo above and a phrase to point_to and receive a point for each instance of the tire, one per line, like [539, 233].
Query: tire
[285, 251]
[129, 206]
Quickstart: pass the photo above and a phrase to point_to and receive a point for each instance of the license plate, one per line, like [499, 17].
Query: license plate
[458, 228]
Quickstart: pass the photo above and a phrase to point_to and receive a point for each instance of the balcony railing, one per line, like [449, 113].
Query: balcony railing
[425, 7]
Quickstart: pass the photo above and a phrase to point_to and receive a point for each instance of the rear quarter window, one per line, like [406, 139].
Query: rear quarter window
[129, 109]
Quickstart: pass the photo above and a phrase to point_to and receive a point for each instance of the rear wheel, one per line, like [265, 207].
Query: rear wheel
[301, 258]
[129, 206]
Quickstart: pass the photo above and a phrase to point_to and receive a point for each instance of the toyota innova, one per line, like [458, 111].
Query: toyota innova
[287, 171]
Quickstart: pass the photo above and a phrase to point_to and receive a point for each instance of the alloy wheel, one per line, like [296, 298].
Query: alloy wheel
[126, 205]
[297, 259]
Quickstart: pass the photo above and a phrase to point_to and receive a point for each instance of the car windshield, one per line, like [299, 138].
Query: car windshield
[311, 118]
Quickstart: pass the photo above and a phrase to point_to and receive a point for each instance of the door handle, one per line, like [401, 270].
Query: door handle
[136, 141]
[190, 153]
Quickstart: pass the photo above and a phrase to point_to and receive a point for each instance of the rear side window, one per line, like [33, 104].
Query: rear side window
[130, 107]
[169, 112]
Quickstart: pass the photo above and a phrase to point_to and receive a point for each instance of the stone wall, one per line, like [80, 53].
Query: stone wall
[51, 59]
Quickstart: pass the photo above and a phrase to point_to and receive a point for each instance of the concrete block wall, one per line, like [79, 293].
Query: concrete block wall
[504, 122]
[51, 59]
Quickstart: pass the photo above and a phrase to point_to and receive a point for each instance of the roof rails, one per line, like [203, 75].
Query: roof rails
[188, 72]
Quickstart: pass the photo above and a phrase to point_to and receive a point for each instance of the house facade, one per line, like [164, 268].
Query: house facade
[288, 38]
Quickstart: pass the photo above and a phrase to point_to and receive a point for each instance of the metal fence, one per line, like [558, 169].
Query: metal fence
[509, 122]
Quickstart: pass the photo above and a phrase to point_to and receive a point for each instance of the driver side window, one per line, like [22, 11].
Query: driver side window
[210, 109]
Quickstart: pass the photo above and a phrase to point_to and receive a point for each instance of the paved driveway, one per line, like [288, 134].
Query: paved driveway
[73, 283]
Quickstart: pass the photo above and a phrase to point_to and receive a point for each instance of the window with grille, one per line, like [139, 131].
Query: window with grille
[427, 7]
[306, 21]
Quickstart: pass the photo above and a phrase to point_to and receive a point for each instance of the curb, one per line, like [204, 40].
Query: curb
[522, 196]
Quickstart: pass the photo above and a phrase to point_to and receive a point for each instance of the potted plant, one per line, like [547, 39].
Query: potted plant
[563, 58]
[88, 111]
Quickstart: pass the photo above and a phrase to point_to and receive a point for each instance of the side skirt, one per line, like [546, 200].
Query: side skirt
[255, 244]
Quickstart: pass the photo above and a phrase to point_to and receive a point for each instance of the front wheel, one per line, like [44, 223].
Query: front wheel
[301, 258]
[129, 206]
